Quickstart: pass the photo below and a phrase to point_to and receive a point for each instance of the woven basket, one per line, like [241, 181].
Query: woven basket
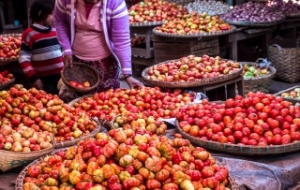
[241, 150]
[10, 159]
[80, 72]
[200, 82]
[261, 83]
[232, 185]
[285, 57]
[254, 24]
[7, 84]
[293, 100]
[4, 61]
[75, 141]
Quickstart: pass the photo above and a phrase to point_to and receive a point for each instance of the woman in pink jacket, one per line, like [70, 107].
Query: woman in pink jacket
[96, 32]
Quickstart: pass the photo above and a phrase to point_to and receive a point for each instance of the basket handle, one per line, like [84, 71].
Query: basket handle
[264, 63]
[276, 45]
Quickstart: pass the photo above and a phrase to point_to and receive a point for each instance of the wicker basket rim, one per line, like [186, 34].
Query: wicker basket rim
[247, 23]
[3, 85]
[270, 75]
[194, 83]
[286, 90]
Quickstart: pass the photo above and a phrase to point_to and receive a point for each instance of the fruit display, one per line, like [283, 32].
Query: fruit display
[125, 160]
[148, 11]
[85, 84]
[192, 24]
[253, 12]
[9, 46]
[211, 7]
[291, 93]
[191, 68]
[288, 7]
[42, 112]
[250, 71]
[259, 119]
[149, 101]
[138, 122]
[5, 76]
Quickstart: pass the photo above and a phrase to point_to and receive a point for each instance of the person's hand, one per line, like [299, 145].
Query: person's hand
[132, 82]
[38, 84]
[68, 60]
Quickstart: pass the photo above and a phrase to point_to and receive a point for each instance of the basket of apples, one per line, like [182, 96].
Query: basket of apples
[6, 79]
[9, 48]
[123, 159]
[80, 77]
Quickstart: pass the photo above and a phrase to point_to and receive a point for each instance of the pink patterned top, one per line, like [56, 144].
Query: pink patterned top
[89, 42]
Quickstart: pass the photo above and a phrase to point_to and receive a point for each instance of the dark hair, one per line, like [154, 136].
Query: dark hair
[40, 9]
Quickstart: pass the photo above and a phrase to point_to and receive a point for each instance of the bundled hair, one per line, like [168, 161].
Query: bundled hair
[40, 9]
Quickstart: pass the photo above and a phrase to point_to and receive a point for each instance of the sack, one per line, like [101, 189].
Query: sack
[65, 93]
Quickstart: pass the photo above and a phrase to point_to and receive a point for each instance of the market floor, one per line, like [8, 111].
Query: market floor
[7, 179]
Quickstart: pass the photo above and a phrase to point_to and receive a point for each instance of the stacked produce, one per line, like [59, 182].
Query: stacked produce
[125, 160]
[85, 84]
[193, 23]
[149, 101]
[191, 68]
[254, 12]
[288, 7]
[258, 120]
[9, 46]
[211, 7]
[154, 11]
[42, 112]
[250, 71]
[293, 93]
[5, 76]
[138, 122]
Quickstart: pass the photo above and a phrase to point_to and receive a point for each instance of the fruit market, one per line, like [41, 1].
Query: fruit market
[151, 94]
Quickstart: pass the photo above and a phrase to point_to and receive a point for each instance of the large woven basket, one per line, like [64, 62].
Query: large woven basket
[200, 82]
[232, 185]
[75, 141]
[293, 100]
[285, 57]
[241, 150]
[80, 72]
[261, 83]
[10, 159]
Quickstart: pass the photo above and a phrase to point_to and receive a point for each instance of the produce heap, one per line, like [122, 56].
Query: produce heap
[211, 7]
[125, 160]
[257, 120]
[251, 71]
[294, 93]
[5, 76]
[287, 7]
[9, 46]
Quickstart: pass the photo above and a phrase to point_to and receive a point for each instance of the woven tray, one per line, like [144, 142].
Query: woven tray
[261, 83]
[4, 61]
[75, 141]
[145, 24]
[293, 100]
[200, 82]
[10, 159]
[232, 185]
[204, 34]
[241, 150]
[246, 23]
[80, 72]
[7, 84]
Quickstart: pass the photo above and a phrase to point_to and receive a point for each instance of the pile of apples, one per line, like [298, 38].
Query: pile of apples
[191, 68]
[9, 46]
[193, 23]
[124, 160]
[149, 101]
[23, 138]
[5, 76]
[85, 84]
[140, 123]
[43, 112]
[259, 119]
[154, 11]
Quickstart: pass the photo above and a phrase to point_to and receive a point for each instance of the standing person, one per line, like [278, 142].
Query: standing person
[96, 32]
[41, 56]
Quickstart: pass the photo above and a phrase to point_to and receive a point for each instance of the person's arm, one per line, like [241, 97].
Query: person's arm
[62, 26]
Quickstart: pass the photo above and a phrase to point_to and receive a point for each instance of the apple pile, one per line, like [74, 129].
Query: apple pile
[154, 11]
[128, 161]
[5, 76]
[294, 93]
[85, 84]
[43, 112]
[191, 68]
[193, 23]
[9, 46]
[259, 119]
[138, 122]
[149, 101]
